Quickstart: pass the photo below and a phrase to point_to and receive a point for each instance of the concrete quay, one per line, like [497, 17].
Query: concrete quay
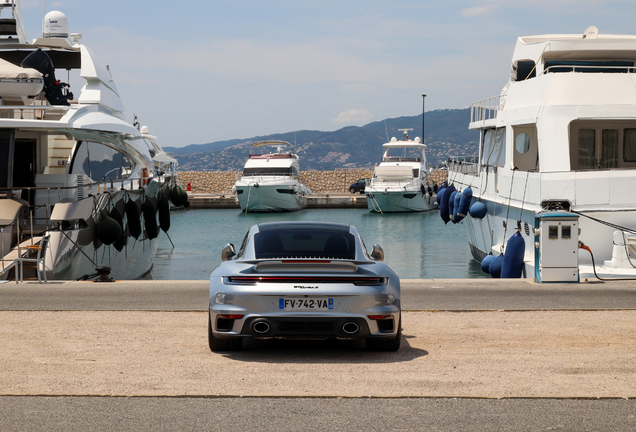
[315, 201]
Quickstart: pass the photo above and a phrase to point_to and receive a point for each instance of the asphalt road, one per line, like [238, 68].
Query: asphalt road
[425, 295]
[317, 414]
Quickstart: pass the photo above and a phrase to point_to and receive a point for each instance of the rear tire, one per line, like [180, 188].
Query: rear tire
[217, 344]
[352, 190]
[384, 344]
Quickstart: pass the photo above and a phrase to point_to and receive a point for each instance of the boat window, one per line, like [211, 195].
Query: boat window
[587, 148]
[526, 152]
[416, 172]
[609, 148]
[280, 171]
[524, 69]
[522, 143]
[494, 148]
[602, 144]
[99, 162]
[629, 145]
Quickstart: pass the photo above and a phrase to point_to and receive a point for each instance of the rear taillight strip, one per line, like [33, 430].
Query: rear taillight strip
[307, 279]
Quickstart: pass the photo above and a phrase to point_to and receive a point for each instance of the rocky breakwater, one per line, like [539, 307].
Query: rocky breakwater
[320, 182]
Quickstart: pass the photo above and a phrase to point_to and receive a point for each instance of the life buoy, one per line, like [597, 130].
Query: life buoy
[144, 176]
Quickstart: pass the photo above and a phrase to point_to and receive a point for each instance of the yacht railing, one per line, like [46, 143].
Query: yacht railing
[464, 164]
[485, 109]
[379, 183]
[33, 112]
[34, 225]
[589, 69]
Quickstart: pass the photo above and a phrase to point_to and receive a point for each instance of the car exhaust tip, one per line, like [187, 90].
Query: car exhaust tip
[350, 328]
[261, 327]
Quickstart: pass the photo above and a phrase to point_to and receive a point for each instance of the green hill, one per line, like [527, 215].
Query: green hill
[350, 147]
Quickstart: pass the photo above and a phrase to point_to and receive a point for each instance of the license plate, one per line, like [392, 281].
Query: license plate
[305, 304]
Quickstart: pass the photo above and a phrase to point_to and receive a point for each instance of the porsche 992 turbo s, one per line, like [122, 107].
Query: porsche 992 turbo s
[304, 280]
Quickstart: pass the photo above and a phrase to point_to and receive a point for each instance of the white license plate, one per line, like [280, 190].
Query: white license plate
[305, 304]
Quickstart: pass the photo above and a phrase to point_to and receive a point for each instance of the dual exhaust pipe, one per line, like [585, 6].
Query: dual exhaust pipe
[263, 327]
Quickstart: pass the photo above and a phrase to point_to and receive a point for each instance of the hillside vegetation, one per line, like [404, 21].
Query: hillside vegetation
[447, 135]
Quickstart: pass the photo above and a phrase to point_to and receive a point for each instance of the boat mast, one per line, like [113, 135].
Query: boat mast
[423, 105]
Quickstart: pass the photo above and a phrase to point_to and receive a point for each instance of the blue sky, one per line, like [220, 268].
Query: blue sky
[206, 70]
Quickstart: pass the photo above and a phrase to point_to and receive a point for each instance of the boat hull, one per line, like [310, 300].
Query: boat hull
[270, 198]
[402, 201]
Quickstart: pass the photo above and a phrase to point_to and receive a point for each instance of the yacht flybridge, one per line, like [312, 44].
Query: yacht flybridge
[399, 183]
[271, 179]
[558, 160]
[74, 171]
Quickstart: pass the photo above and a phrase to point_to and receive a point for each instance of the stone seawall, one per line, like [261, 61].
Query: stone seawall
[221, 182]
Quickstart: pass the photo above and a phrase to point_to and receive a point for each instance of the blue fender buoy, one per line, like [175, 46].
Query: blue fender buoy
[478, 210]
[513, 258]
[464, 202]
[439, 192]
[485, 263]
[495, 266]
[443, 205]
[456, 215]
[108, 230]
[451, 206]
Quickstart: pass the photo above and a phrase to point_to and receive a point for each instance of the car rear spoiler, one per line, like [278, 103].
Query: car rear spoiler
[306, 265]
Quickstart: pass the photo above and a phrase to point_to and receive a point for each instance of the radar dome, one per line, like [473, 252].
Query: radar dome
[144, 130]
[55, 25]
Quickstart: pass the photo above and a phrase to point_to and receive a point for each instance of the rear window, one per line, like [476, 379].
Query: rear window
[305, 243]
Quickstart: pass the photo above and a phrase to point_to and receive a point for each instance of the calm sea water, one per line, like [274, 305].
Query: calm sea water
[416, 245]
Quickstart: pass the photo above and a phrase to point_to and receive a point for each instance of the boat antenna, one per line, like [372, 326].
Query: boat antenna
[387, 131]
[423, 110]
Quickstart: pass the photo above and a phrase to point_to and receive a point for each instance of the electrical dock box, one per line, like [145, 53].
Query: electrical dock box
[556, 237]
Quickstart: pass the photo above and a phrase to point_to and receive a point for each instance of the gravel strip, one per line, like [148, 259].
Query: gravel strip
[479, 354]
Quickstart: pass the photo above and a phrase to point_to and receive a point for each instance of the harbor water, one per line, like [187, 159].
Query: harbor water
[416, 245]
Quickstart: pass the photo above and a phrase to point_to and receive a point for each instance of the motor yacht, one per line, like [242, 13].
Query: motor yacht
[399, 182]
[557, 160]
[271, 179]
[75, 169]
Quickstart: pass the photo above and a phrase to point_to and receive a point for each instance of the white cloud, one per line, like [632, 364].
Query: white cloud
[354, 116]
[478, 10]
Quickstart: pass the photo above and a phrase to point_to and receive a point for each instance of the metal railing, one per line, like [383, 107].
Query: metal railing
[464, 164]
[485, 109]
[33, 112]
[589, 69]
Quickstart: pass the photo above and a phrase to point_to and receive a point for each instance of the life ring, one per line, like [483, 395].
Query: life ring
[144, 176]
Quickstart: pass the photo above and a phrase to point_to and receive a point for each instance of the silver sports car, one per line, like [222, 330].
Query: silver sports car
[304, 280]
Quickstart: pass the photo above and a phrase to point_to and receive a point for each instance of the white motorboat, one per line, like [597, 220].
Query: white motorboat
[74, 171]
[399, 183]
[558, 157]
[271, 180]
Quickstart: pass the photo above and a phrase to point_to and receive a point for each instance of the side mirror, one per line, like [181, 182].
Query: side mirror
[377, 253]
[227, 252]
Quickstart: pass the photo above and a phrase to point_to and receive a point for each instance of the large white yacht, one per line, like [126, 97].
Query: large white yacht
[558, 157]
[74, 168]
[399, 183]
[271, 179]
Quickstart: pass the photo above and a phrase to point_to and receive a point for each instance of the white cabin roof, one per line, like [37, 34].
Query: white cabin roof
[408, 144]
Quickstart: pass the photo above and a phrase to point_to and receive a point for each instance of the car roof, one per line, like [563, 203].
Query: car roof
[272, 226]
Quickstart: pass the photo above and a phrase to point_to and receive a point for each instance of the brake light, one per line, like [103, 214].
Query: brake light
[230, 316]
[378, 317]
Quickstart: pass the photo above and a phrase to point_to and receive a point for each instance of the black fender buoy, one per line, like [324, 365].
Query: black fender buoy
[178, 196]
[132, 215]
[150, 218]
[108, 230]
[121, 241]
[163, 208]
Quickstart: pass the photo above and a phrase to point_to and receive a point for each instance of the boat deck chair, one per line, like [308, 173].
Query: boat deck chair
[39, 260]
